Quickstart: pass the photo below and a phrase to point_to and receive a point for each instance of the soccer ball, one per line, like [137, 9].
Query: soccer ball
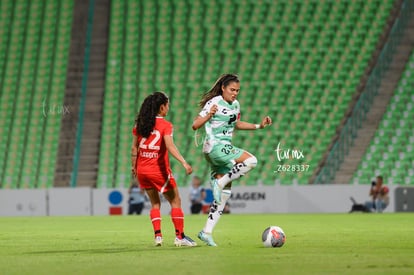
[273, 236]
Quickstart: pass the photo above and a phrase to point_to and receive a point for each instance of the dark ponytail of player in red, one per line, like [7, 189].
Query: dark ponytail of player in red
[145, 121]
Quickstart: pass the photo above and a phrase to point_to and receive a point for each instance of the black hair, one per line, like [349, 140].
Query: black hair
[145, 120]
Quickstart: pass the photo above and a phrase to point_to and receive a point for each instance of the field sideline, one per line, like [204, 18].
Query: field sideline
[316, 244]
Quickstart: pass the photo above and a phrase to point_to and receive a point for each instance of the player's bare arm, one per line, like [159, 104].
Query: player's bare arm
[199, 121]
[169, 143]
[242, 125]
[134, 154]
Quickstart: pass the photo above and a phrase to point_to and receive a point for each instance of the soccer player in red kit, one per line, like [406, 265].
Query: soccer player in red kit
[152, 141]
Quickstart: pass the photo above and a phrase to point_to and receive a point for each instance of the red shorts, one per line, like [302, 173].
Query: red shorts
[162, 183]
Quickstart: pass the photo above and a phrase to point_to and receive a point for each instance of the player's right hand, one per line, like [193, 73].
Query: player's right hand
[213, 109]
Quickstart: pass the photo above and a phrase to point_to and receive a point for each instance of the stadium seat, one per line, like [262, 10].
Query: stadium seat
[389, 151]
[35, 72]
[293, 65]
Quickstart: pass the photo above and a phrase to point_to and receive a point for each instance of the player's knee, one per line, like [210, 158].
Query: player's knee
[225, 194]
[251, 162]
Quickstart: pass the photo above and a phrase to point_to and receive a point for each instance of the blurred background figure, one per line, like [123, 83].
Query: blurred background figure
[197, 195]
[379, 195]
[136, 199]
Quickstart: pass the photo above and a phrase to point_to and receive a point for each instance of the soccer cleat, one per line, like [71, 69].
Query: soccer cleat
[216, 190]
[186, 241]
[158, 241]
[207, 238]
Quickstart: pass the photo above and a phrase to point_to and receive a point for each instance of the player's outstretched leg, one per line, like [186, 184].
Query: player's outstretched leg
[214, 215]
[239, 169]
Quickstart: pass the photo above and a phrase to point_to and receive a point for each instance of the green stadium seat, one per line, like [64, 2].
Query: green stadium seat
[393, 139]
[292, 52]
[26, 70]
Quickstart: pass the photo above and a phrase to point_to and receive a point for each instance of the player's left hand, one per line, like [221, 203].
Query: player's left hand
[266, 121]
[134, 173]
[188, 168]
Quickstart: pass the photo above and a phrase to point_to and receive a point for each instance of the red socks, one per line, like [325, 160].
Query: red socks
[155, 216]
[177, 217]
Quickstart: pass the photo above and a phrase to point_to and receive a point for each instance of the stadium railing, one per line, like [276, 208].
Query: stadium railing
[348, 133]
[79, 130]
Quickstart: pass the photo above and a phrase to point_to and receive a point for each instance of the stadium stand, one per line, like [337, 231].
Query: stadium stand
[299, 61]
[33, 62]
[391, 150]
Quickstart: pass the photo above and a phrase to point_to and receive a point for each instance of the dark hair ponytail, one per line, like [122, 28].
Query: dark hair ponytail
[145, 121]
[216, 90]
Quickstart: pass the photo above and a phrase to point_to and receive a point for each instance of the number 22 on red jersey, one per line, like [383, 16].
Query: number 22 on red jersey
[154, 143]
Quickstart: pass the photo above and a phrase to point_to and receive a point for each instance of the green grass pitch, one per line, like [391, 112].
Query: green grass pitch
[315, 244]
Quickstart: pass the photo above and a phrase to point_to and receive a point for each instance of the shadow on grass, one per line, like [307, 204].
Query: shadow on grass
[110, 250]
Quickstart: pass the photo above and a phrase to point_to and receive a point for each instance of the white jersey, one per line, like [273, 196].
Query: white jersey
[219, 129]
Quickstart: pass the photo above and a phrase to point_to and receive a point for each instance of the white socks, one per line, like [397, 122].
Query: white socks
[216, 211]
[239, 169]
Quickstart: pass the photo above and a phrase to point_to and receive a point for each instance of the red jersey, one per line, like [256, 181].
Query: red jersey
[152, 152]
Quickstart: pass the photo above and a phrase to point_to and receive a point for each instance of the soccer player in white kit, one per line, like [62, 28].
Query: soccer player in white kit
[220, 115]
